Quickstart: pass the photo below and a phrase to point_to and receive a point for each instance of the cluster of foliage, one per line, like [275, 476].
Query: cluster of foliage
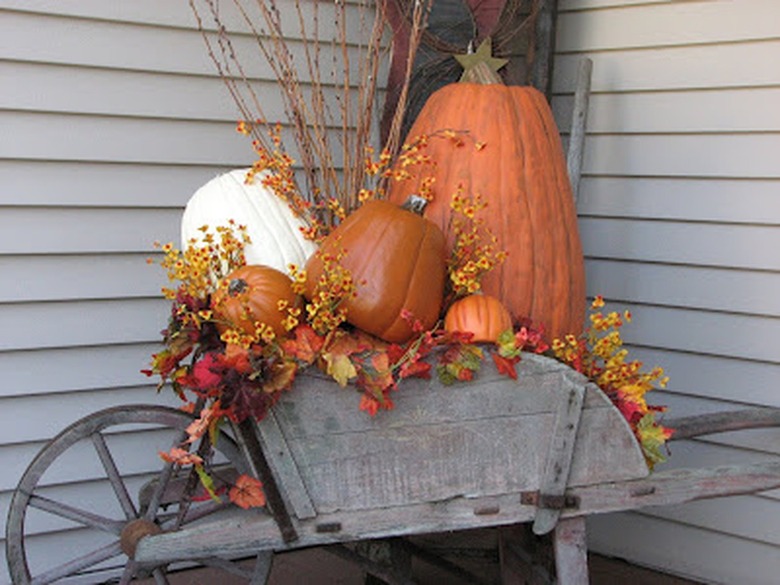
[600, 355]
[225, 372]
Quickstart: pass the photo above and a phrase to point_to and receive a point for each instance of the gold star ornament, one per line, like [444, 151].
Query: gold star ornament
[480, 63]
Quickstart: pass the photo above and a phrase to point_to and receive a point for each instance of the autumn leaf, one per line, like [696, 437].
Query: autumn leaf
[340, 368]
[416, 369]
[236, 357]
[305, 345]
[180, 456]
[505, 366]
[280, 376]
[205, 374]
[369, 404]
[247, 493]
[652, 436]
[207, 482]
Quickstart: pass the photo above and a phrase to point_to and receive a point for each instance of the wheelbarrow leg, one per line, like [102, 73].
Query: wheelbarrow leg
[262, 568]
[571, 552]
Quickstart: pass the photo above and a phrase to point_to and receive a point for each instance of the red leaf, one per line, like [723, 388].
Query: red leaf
[305, 346]
[505, 366]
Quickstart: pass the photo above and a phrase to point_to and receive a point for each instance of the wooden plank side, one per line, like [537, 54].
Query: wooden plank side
[747, 247]
[328, 408]
[749, 110]
[662, 24]
[754, 292]
[482, 438]
[697, 67]
[102, 184]
[728, 200]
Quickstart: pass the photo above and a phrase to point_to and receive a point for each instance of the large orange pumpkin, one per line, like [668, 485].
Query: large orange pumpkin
[250, 295]
[482, 315]
[521, 173]
[397, 260]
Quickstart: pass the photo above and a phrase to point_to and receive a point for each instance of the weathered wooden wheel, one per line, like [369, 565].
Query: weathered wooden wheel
[99, 534]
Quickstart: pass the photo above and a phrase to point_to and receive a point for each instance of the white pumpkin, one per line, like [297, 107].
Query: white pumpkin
[274, 229]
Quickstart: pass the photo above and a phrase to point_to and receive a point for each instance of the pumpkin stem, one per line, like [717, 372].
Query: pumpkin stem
[415, 204]
[237, 286]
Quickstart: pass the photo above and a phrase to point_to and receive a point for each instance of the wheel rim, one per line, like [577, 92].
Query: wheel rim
[100, 434]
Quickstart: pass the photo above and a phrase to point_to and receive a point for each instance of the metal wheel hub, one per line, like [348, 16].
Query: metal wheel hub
[133, 532]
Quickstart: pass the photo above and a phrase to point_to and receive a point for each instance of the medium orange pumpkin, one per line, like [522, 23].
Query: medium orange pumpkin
[250, 295]
[482, 315]
[521, 173]
[397, 260]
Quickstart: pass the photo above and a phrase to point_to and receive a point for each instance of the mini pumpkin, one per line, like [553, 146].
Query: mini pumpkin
[482, 315]
[274, 230]
[250, 295]
[521, 174]
[397, 260]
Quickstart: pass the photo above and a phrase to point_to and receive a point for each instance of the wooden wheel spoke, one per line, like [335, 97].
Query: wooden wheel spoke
[128, 573]
[77, 515]
[161, 485]
[162, 482]
[117, 483]
[159, 577]
[72, 567]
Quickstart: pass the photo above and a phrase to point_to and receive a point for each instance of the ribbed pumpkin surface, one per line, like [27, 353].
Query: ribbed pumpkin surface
[397, 259]
[250, 295]
[482, 315]
[521, 173]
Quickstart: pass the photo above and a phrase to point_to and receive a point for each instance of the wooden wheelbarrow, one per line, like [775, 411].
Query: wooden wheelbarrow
[548, 448]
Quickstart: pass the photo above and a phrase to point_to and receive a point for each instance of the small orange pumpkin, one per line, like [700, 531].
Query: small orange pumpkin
[397, 260]
[250, 295]
[484, 316]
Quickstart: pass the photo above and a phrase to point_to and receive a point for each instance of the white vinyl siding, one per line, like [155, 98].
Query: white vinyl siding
[111, 116]
[680, 218]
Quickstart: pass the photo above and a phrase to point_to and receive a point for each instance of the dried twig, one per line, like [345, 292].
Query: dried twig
[329, 90]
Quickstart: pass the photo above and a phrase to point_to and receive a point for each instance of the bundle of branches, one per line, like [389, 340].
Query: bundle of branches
[327, 59]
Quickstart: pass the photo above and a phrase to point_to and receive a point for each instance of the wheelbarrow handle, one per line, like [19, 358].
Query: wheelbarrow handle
[720, 422]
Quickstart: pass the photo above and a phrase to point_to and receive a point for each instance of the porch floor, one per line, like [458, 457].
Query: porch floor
[319, 567]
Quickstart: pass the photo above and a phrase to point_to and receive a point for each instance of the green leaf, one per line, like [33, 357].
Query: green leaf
[207, 483]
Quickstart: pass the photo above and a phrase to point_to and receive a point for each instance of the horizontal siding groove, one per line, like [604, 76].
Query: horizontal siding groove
[678, 221]
[565, 6]
[595, 52]
[158, 49]
[229, 123]
[638, 345]
[84, 368]
[633, 302]
[717, 529]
